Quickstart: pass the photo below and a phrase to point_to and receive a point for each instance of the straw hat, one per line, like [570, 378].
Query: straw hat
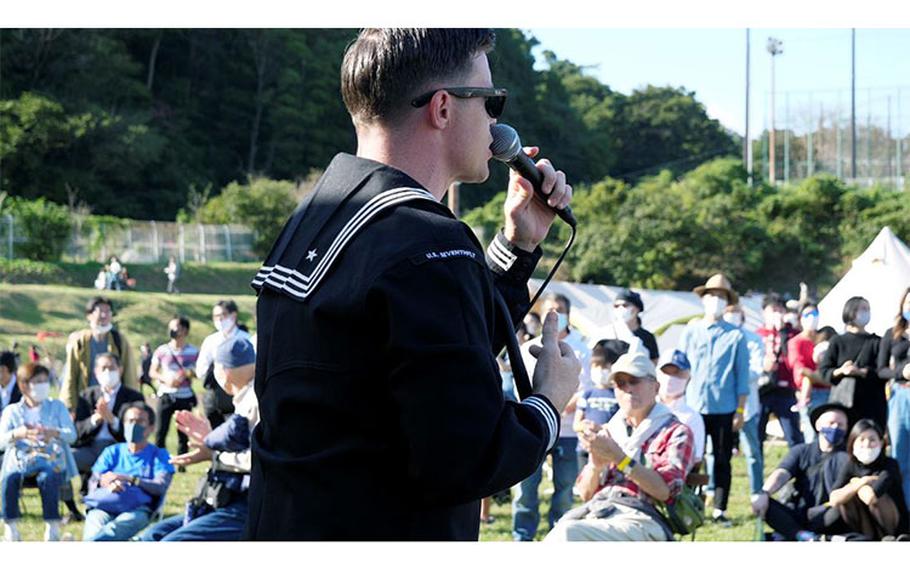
[720, 283]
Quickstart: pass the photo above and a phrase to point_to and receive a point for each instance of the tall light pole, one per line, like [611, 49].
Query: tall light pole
[853, 103]
[747, 143]
[775, 47]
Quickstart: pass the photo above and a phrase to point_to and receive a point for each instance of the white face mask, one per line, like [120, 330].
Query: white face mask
[791, 319]
[600, 377]
[109, 379]
[734, 318]
[40, 392]
[625, 314]
[225, 324]
[867, 455]
[562, 321]
[671, 386]
[714, 306]
[810, 322]
[101, 329]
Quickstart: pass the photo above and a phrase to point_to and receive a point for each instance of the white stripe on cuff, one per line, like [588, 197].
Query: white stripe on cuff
[501, 255]
[550, 418]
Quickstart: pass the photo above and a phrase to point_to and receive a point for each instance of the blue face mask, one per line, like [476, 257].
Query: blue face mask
[834, 436]
[134, 433]
[906, 315]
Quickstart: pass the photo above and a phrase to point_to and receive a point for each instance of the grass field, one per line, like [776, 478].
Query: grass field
[26, 309]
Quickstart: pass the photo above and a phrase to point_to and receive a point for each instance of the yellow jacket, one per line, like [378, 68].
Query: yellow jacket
[78, 367]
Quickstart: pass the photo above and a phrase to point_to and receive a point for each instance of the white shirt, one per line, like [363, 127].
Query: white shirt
[105, 432]
[694, 421]
[578, 343]
[210, 345]
[32, 415]
[6, 393]
[247, 405]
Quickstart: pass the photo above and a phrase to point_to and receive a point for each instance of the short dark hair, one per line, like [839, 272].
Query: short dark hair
[149, 413]
[27, 372]
[107, 355]
[862, 426]
[851, 308]
[826, 333]
[182, 321]
[772, 299]
[98, 301]
[8, 360]
[559, 298]
[229, 306]
[608, 351]
[384, 68]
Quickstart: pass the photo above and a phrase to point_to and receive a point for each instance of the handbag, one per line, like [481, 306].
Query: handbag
[686, 513]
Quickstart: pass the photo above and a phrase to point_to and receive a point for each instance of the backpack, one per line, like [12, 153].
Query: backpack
[686, 513]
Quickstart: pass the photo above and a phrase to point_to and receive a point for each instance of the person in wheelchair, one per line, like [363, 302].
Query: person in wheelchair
[129, 481]
[35, 436]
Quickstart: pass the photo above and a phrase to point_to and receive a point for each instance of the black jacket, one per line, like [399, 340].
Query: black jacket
[85, 407]
[382, 416]
[14, 396]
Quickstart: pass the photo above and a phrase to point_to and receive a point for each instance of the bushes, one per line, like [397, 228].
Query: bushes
[45, 225]
[23, 271]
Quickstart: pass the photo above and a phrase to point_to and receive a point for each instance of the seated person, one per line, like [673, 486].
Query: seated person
[640, 457]
[673, 376]
[868, 493]
[98, 413]
[814, 468]
[219, 512]
[129, 480]
[35, 434]
[595, 406]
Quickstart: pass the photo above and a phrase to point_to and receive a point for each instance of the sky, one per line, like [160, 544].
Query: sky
[712, 62]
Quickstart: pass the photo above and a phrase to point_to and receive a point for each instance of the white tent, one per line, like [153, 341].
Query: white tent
[592, 310]
[881, 275]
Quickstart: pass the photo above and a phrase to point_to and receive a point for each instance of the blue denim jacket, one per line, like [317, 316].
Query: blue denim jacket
[720, 366]
[54, 415]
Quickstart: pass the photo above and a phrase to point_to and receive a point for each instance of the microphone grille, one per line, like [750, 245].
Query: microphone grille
[506, 143]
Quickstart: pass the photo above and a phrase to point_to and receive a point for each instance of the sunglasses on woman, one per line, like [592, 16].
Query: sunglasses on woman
[494, 99]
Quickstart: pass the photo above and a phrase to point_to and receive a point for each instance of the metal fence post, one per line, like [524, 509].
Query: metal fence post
[180, 244]
[155, 249]
[202, 247]
[9, 219]
[227, 241]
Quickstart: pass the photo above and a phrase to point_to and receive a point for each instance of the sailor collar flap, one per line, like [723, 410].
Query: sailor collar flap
[347, 197]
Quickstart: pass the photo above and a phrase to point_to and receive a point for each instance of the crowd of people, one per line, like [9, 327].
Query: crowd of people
[641, 425]
[644, 424]
[114, 276]
[98, 430]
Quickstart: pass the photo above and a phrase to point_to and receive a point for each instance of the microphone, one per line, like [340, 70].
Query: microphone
[506, 147]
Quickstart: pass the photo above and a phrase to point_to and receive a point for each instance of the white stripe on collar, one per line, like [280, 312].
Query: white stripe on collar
[300, 285]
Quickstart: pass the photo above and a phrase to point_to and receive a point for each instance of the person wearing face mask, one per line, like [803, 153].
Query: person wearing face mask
[813, 390]
[35, 434]
[627, 324]
[719, 384]
[805, 512]
[777, 390]
[563, 455]
[173, 369]
[894, 365]
[85, 345]
[851, 365]
[596, 405]
[215, 401]
[868, 492]
[220, 510]
[98, 413]
[673, 376]
[128, 482]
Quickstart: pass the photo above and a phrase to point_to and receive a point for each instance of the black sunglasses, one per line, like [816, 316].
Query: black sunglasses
[495, 99]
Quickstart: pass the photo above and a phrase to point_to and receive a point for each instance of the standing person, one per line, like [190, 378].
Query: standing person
[85, 345]
[853, 357]
[215, 401]
[813, 390]
[411, 433]
[672, 377]
[777, 390]
[173, 272]
[719, 385]
[116, 271]
[525, 505]
[596, 405]
[627, 324]
[35, 434]
[749, 440]
[894, 365]
[145, 364]
[173, 370]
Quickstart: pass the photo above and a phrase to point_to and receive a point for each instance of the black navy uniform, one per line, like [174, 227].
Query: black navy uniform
[382, 416]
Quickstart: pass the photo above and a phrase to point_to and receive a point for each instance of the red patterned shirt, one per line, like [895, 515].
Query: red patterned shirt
[669, 452]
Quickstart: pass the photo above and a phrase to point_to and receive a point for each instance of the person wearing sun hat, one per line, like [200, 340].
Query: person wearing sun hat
[719, 384]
